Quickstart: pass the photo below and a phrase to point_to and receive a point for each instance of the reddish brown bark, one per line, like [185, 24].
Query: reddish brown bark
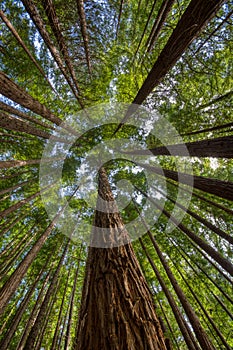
[117, 311]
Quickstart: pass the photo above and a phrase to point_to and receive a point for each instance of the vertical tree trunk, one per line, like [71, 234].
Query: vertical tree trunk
[117, 311]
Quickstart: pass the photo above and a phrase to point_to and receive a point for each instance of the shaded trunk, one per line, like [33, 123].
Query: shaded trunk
[59, 319]
[83, 23]
[34, 312]
[37, 20]
[21, 42]
[196, 16]
[15, 93]
[117, 311]
[34, 332]
[224, 262]
[198, 329]
[57, 31]
[222, 189]
[220, 147]
[14, 111]
[159, 22]
[19, 313]
[146, 25]
[182, 323]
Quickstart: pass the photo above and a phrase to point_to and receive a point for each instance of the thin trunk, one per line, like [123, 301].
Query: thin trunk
[210, 321]
[70, 318]
[21, 42]
[5, 229]
[14, 280]
[14, 111]
[38, 21]
[17, 174]
[220, 147]
[184, 327]
[57, 31]
[213, 128]
[224, 262]
[145, 28]
[11, 123]
[116, 311]
[6, 164]
[19, 313]
[20, 185]
[45, 320]
[35, 330]
[222, 189]
[83, 24]
[119, 18]
[21, 203]
[197, 327]
[33, 313]
[159, 22]
[217, 205]
[205, 222]
[203, 271]
[229, 15]
[58, 325]
[194, 19]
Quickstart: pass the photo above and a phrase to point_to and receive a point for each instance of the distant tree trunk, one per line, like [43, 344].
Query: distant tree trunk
[34, 332]
[21, 42]
[159, 22]
[83, 24]
[117, 311]
[38, 21]
[14, 111]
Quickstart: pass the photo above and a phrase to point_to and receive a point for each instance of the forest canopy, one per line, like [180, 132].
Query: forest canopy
[62, 64]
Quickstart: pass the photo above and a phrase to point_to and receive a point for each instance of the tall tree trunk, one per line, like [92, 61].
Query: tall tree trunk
[222, 189]
[159, 22]
[83, 24]
[220, 147]
[21, 42]
[196, 16]
[201, 335]
[117, 311]
[182, 323]
[14, 111]
[37, 20]
[34, 332]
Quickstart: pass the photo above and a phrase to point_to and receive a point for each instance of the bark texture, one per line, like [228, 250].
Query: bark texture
[117, 311]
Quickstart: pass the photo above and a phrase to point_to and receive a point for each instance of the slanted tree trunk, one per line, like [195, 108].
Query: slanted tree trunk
[34, 332]
[194, 19]
[219, 147]
[117, 311]
[222, 189]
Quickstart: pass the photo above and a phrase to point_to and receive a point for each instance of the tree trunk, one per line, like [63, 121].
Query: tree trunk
[220, 147]
[83, 24]
[159, 22]
[222, 189]
[14, 111]
[15, 93]
[37, 20]
[182, 323]
[196, 16]
[117, 311]
[34, 332]
[194, 320]
[21, 42]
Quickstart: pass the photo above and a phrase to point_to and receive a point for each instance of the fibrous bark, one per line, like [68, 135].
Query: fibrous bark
[117, 311]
